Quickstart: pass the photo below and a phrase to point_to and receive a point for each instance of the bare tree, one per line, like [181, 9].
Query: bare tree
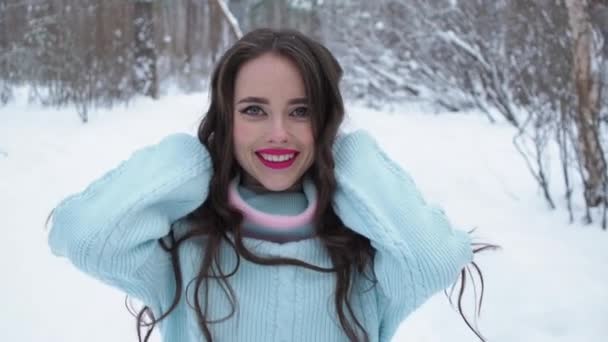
[92, 53]
[508, 57]
[146, 81]
[230, 18]
[586, 78]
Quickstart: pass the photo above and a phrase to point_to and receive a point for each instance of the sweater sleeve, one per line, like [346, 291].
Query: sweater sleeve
[418, 253]
[111, 229]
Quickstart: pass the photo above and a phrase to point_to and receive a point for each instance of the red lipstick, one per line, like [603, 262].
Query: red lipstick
[266, 156]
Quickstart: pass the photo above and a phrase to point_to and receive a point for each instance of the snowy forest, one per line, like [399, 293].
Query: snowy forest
[539, 65]
[498, 109]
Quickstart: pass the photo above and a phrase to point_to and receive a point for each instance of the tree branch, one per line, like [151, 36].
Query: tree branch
[231, 19]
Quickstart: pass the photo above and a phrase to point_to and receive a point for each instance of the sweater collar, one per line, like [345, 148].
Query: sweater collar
[264, 222]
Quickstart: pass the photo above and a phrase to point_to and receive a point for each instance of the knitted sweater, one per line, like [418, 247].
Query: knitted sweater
[111, 230]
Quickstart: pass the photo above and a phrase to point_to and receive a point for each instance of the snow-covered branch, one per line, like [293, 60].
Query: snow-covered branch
[231, 19]
[451, 38]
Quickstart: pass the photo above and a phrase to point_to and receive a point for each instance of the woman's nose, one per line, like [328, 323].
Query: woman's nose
[278, 132]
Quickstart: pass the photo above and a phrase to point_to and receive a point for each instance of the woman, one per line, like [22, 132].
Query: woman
[269, 226]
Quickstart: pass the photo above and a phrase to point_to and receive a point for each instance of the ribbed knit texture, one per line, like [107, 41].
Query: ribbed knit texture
[276, 216]
[111, 230]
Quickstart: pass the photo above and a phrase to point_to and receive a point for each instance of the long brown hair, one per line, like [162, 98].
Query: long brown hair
[350, 252]
[215, 218]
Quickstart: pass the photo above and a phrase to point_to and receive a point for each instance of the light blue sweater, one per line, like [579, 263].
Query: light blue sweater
[110, 231]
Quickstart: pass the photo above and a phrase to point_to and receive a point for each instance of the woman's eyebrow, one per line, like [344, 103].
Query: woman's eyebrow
[254, 100]
[262, 100]
[299, 100]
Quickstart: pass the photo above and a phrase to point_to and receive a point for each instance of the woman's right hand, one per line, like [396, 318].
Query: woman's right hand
[111, 229]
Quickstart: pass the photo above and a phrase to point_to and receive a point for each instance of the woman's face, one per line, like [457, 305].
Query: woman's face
[272, 133]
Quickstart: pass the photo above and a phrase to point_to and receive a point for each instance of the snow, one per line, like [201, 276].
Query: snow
[548, 283]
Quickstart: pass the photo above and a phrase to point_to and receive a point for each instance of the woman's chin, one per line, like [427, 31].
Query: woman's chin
[270, 180]
[278, 184]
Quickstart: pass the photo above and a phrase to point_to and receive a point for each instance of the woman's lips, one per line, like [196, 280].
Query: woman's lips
[275, 153]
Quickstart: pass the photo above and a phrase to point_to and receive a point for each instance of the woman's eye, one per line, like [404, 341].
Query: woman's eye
[252, 110]
[300, 112]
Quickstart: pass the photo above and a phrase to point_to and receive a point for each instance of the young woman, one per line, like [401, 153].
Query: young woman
[270, 226]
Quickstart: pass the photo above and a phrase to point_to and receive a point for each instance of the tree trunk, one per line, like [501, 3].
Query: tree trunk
[276, 14]
[191, 9]
[146, 81]
[215, 29]
[586, 83]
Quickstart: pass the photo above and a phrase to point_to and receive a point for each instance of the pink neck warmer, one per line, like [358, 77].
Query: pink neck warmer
[279, 223]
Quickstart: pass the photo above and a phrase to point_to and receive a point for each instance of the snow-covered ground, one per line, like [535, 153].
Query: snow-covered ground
[548, 283]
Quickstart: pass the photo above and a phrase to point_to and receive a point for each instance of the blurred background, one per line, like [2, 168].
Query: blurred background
[539, 65]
